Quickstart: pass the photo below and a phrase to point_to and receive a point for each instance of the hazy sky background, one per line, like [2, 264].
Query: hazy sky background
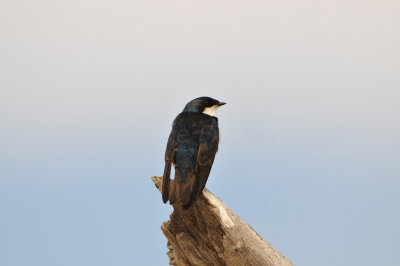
[310, 137]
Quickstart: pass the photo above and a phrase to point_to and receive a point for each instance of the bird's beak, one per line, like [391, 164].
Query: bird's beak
[221, 103]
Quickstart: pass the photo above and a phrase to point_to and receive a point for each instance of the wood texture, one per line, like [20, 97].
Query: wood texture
[209, 233]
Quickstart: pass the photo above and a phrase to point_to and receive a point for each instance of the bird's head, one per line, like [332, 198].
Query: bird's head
[205, 105]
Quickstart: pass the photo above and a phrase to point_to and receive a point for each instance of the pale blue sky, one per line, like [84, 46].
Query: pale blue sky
[310, 146]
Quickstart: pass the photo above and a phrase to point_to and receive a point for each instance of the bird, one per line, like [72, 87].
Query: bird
[191, 148]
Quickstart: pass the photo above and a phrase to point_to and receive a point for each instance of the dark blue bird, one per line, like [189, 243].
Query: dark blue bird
[191, 148]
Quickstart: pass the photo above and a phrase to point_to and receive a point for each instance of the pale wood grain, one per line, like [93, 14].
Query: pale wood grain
[209, 233]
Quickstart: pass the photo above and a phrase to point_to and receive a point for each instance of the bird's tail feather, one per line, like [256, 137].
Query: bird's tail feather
[182, 188]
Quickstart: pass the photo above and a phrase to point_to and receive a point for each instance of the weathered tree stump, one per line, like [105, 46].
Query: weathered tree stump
[209, 233]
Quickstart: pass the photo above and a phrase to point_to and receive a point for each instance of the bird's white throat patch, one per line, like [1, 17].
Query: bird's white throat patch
[211, 110]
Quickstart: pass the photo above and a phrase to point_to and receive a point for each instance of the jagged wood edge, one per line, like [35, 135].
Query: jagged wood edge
[209, 233]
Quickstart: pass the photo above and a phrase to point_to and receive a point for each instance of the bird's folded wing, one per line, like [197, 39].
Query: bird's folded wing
[169, 155]
[205, 160]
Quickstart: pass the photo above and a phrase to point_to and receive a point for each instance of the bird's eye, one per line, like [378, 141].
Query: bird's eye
[207, 103]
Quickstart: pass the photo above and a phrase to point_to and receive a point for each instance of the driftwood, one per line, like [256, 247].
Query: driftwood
[209, 233]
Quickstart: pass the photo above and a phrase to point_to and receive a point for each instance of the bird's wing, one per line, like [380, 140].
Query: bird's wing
[169, 155]
[205, 158]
